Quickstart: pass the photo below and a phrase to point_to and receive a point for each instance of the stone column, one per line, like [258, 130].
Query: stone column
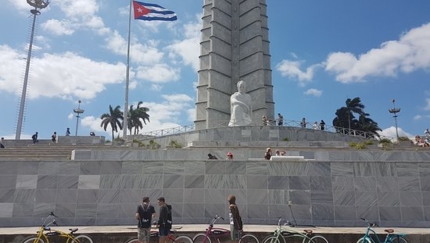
[234, 46]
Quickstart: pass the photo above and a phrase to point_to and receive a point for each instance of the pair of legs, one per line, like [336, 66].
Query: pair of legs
[143, 234]
[162, 234]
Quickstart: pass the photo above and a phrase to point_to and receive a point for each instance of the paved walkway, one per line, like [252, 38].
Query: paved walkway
[202, 227]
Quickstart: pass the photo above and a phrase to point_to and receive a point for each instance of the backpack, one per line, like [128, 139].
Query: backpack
[169, 216]
[239, 222]
[145, 214]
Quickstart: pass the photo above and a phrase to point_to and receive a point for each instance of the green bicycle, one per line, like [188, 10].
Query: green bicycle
[281, 234]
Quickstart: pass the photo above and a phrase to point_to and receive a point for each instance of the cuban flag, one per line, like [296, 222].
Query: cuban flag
[150, 11]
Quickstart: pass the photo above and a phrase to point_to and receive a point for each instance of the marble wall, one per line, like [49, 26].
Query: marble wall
[321, 193]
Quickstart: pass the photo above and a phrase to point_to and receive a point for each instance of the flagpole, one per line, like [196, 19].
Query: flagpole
[127, 76]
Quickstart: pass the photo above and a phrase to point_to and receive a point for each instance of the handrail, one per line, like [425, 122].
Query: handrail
[287, 123]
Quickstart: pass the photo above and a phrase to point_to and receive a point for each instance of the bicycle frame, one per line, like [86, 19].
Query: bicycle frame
[213, 232]
[42, 234]
[282, 232]
[369, 232]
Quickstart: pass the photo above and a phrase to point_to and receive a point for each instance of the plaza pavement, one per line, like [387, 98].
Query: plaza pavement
[119, 234]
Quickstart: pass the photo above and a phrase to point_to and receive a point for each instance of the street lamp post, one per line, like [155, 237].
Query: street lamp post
[37, 4]
[78, 112]
[394, 111]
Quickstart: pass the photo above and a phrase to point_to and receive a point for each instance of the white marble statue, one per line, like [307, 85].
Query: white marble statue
[241, 107]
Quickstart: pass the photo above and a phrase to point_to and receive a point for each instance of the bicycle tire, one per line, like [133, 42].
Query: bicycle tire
[183, 239]
[33, 240]
[318, 239]
[273, 239]
[399, 239]
[133, 240]
[82, 239]
[248, 238]
[364, 240]
[201, 238]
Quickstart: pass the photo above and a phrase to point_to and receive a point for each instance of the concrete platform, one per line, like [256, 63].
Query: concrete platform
[119, 234]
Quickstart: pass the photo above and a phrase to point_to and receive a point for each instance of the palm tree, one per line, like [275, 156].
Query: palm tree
[114, 118]
[143, 115]
[345, 118]
[136, 116]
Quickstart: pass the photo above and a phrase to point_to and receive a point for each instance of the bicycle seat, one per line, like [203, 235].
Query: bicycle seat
[73, 230]
[308, 231]
[389, 231]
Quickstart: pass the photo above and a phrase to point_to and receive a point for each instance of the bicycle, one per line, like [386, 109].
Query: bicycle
[216, 233]
[389, 238]
[45, 233]
[281, 234]
[170, 237]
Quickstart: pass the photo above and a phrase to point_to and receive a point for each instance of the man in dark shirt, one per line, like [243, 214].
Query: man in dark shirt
[164, 220]
[144, 214]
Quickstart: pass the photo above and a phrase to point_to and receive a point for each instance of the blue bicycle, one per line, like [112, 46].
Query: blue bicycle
[389, 238]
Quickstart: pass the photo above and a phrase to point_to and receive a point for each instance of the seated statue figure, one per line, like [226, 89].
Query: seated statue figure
[241, 108]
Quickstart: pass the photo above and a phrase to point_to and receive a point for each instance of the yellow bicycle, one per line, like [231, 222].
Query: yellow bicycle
[45, 233]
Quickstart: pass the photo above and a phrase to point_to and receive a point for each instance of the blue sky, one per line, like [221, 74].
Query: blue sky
[323, 52]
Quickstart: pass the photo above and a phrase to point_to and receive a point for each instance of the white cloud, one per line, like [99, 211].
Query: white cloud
[63, 75]
[391, 133]
[58, 27]
[147, 53]
[291, 69]
[189, 48]
[159, 73]
[418, 117]
[78, 8]
[427, 107]
[314, 92]
[411, 52]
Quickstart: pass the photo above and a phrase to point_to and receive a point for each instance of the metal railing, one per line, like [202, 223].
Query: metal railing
[287, 123]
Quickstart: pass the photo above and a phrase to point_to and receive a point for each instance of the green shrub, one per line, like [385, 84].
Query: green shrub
[175, 144]
[153, 144]
[285, 139]
[352, 144]
[385, 140]
[403, 139]
[139, 143]
[368, 142]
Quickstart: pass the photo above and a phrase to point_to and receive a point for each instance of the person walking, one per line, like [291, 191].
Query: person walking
[2, 143]
[164, 220]
[68, 132]
[322, 124]
[34, 138]
[54, 137]
[144, 214]
[280, 119]
[303, 123]
[236, 224]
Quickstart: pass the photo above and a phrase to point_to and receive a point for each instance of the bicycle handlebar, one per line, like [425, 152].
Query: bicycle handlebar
[370, 224]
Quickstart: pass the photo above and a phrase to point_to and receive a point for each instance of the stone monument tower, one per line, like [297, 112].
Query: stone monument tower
[234, 46]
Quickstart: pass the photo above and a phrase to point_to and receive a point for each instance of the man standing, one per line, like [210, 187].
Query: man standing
[144, 215]
[280, 120]
[2, 142]
[236, 225]
[164, 220]
[34, 138]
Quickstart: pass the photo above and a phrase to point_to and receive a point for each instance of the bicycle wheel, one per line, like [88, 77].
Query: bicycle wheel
[273, 239]
[201, 238]
[248, 238]
[33, 240]
[183, 239]
[399, 239]
[364, 240]
[318, 239]
[134, 240]
[82, 239]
